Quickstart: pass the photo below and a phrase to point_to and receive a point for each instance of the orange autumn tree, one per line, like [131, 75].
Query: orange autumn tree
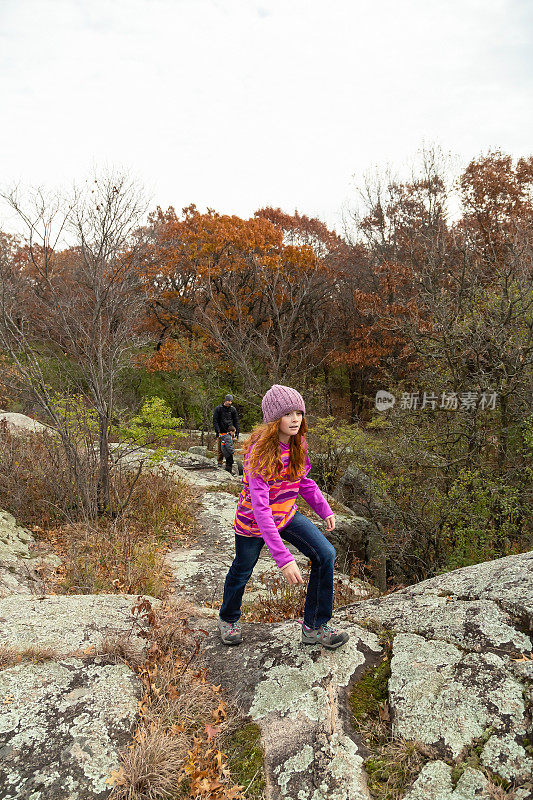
[400, 241]
[333, 254]
[497, 197]
[371, 343]
[363, 304]
[301, 230]
[255, 301]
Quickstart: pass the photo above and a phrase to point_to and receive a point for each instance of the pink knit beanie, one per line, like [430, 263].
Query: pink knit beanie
[280, 400]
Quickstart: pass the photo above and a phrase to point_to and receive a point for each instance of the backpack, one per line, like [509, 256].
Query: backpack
[226, 445]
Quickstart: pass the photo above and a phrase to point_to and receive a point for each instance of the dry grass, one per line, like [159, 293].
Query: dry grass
[107, 557]
[35, 654]
[37, 487]
[150, 767]
[284, 600]
[496, 792]
[126, 554]
[162, 504]
[174, 753]
[35, 482]
[122, 552]
[173, 692]
[394, 764]
[121, 649]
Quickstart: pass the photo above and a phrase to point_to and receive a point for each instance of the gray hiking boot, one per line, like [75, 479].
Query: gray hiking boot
[326, 635]
[230, 632]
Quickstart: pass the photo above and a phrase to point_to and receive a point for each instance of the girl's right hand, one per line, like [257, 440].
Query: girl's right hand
[292, 573]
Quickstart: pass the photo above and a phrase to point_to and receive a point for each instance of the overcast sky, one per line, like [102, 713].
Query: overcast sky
[237, 104]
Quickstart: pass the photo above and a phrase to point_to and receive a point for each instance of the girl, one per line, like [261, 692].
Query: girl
[276, 465]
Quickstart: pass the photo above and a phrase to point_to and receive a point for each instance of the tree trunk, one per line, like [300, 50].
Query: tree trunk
[328, 390]
[104, 487]
[356, 393]
[375, 555]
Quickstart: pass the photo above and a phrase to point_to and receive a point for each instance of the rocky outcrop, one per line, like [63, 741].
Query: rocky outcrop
[20, 423]
[61, 727]
[462, 661]
[67, 710]
[297, 694]
[194, 468]
[198, 450]
[370, 503]
[435, 783]
[461, 673]
[68, 624]
[19, 564]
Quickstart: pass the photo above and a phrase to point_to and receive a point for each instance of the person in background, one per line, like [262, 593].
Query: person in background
[276, 467]
[228, 448]
[225, 415]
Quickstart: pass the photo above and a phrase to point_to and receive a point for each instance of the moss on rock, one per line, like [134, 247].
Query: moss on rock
[370, 691]
[245, 757]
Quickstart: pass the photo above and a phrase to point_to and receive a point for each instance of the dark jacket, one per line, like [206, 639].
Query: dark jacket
[223, 417]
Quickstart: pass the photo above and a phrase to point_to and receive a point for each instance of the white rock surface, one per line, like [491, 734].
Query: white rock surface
[61, 726]
[17, 561]
[68, 623]
[20, 423]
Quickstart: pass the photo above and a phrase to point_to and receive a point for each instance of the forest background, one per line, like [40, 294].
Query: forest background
[135, 329]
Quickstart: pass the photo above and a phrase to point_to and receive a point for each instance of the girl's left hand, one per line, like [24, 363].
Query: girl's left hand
[330, 522]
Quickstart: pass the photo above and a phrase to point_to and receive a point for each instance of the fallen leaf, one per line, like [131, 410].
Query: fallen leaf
[233, 793]
[220, 713]
[524, 657]
[117, 777]
[211, 732]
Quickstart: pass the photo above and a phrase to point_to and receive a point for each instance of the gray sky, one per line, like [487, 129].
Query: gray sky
[237, 104]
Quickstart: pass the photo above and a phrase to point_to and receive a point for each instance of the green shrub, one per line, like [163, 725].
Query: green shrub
[149, 427]
[334, 443]
[483, 520]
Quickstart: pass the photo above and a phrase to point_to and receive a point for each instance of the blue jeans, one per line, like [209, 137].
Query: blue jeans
[304, 535]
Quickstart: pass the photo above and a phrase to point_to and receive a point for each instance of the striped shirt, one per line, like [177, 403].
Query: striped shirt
[264, 507]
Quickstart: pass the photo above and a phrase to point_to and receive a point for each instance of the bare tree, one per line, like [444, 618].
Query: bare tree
[271, 322]
[80, 306]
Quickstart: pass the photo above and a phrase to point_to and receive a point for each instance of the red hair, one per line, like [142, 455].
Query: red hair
[265, 459]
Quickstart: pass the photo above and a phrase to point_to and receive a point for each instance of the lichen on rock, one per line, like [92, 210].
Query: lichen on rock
[446, 698]
[62, 726]
[68, 623]
[435, 783]
[18, 564]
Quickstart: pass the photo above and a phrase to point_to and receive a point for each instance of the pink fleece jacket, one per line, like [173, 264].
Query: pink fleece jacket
[264, 508]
